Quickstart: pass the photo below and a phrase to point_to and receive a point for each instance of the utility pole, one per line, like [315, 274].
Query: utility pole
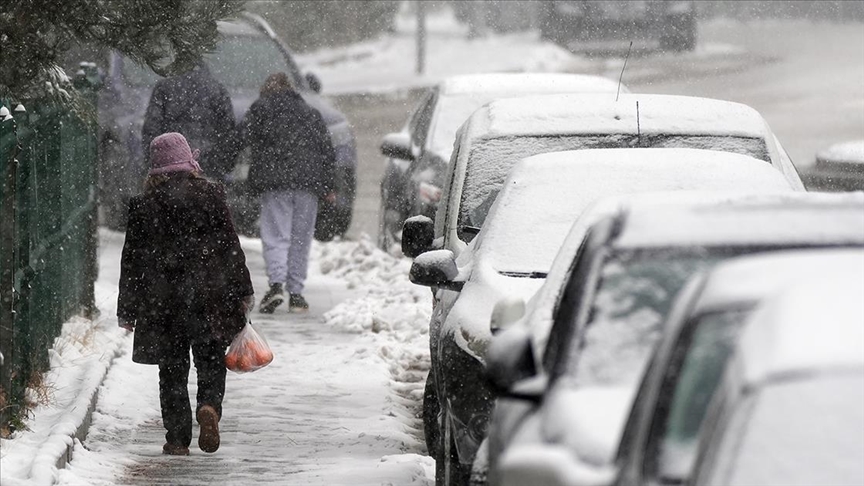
[421, 36]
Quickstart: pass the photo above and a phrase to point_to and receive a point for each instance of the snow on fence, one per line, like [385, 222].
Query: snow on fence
[48, 178]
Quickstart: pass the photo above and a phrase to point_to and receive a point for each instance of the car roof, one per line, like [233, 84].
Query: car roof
[238, 27]
[746, 280]
[601, 114]
[805, 218]
[813, 326]
[541, 307]
[544, 194]
[500, 84]
[851, 152]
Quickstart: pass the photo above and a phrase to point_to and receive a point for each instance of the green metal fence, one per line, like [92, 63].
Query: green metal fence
[47, 232]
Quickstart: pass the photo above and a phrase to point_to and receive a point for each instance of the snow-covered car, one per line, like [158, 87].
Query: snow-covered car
[660, 437]
[790, 408]
[529, 219]
[496, 136]
[608, 313]
[671, 23]
[417, 155]
[247, 53]
[661, 434]
[839, 167]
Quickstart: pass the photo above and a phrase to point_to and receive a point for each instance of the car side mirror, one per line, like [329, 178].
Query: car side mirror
[314, 82]
[435, 269]
[507, 311]
[418, 233]
[397, 146]
[510, 360]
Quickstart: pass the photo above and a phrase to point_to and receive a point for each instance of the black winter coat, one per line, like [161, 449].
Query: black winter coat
[181, 257]
[291, 147]
[196, 105]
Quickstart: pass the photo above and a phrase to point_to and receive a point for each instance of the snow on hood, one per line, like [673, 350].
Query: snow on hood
[812, 326]
[742, 198]
[594, 114]
[544, 194]
[747, 279]
[460, 96]
[589, 420]
[847, 152]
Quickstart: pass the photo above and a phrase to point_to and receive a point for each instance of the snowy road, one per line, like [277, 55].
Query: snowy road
[324, 412]
[806, 78]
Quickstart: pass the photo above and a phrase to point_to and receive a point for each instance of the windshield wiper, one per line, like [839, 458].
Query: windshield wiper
[524, 274]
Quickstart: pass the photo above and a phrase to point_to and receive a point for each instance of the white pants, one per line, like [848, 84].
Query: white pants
[287, 228]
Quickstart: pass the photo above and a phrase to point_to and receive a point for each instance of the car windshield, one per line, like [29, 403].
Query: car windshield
[239, 61]
[452, 113]
[694, 373]
[634, 295]
[491, 160]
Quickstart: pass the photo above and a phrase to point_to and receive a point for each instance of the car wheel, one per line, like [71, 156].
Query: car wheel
[389, 228]
[431, 408]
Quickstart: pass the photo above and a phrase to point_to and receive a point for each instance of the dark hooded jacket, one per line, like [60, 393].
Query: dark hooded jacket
[181, 258]
[198, 106]
[291, 147]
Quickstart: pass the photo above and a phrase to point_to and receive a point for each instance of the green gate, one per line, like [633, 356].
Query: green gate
[48, 260]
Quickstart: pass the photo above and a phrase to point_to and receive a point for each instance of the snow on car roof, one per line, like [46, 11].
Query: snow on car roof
[749, 279]
[496, 84]
[601, 114]
[545, 194]
[542, 305]
[805, 218]
[815, 325]
[239, 27]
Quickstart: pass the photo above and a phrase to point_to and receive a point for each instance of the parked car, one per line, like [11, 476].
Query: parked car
[790, 408]
[608, 315]
[658, 443]
[512, 253]
[417, 156]
[661, 436]
[504, 131]
[839, 167]
[671, 23]
[247, 53]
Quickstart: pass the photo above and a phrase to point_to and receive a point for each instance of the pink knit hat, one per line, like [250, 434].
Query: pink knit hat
[170, 152]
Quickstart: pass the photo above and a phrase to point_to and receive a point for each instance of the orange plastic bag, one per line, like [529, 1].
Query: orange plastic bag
[248, 351]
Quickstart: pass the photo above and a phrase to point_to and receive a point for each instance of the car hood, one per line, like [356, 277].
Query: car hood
[468, 321]
[588, 420]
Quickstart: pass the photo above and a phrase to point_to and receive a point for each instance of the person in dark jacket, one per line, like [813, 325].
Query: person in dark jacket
[293, 166]
[198, 106]
[183, 284]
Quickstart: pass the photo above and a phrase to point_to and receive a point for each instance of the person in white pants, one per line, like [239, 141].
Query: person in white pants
[293, 166]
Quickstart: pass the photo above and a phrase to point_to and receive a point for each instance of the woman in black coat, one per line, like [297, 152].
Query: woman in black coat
[183, 283]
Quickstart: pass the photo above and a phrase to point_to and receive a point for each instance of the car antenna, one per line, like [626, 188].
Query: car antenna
[638, 126]
[622, 70]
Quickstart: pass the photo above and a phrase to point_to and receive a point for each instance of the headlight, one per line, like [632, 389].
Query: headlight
[428, 193]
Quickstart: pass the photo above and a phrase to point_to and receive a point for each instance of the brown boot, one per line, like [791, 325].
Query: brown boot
[208, 435]
[174, 450]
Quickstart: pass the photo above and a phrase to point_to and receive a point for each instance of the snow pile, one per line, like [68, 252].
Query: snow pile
[79, 360]
[393, 312]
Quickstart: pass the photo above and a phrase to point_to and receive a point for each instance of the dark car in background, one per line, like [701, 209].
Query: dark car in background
[671, 23]
[247, 53]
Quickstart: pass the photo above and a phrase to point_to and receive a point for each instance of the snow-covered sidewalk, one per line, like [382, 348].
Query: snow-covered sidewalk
[338, 405]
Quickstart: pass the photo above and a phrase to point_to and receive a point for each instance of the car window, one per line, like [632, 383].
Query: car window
[418, 126]
[634, 294]
[238, 62]
[587, 257]
[691, 378]
[490, 160]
